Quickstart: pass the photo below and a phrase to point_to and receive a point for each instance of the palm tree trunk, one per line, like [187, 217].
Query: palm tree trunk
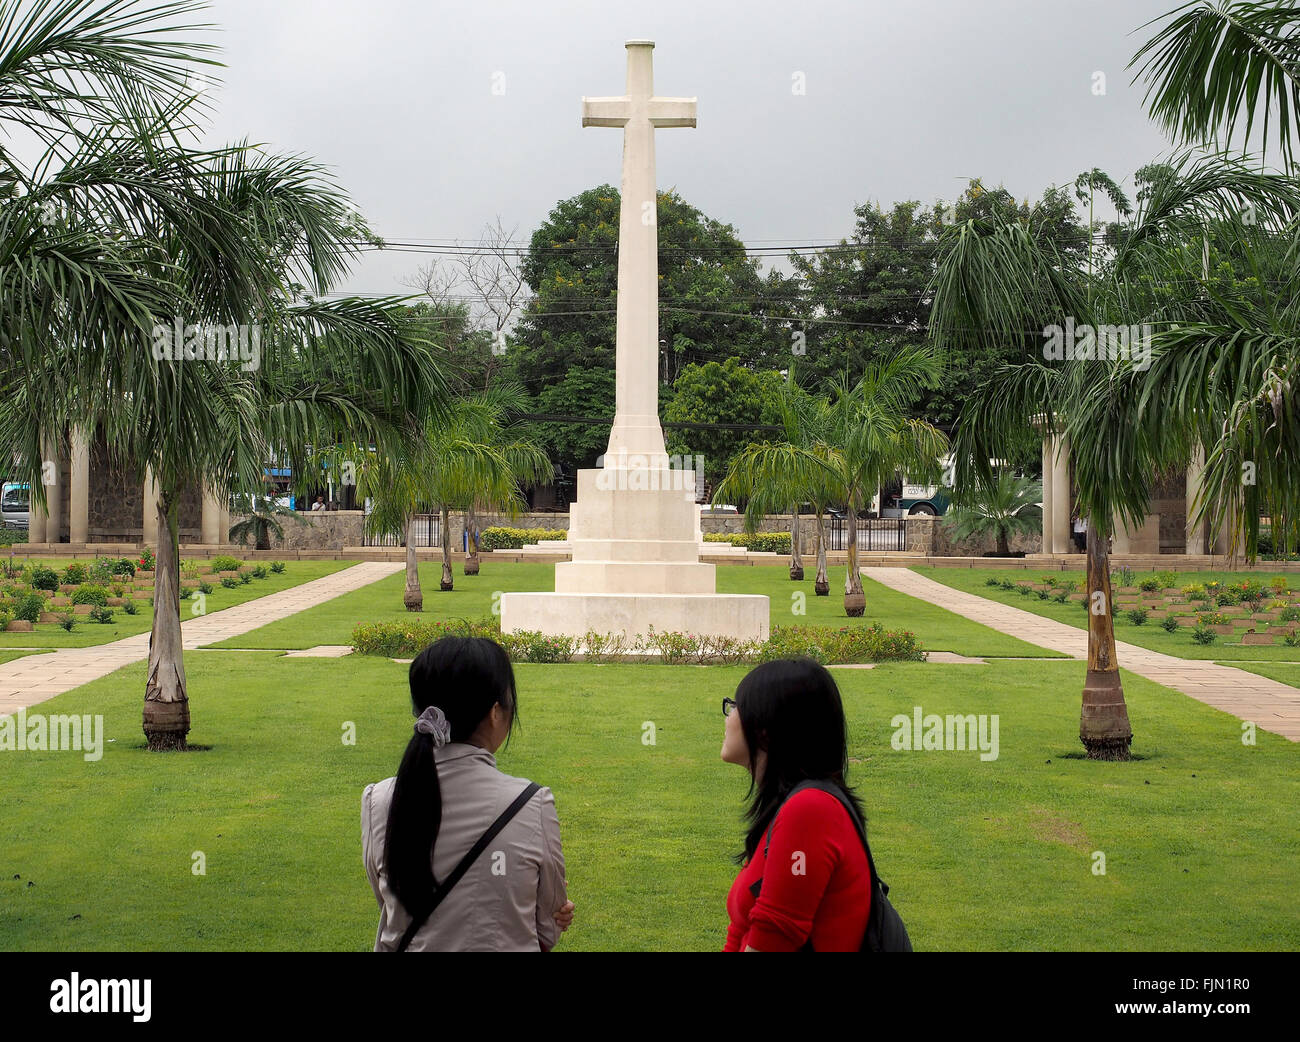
[413, 597]
[855, 601]
[166, 705]
[796, 556]
[1103, 722]
[821, 585]
[471, 538]
[263, 536]
[1004, 544]
[446, 583]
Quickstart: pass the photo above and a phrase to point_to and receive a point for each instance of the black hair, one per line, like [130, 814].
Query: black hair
[464, 677]
[791, 710]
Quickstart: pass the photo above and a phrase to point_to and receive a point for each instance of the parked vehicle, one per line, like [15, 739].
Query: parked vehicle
[15, 504]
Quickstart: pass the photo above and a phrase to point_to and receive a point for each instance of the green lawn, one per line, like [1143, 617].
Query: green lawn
[332, 622]
[1200, 835]
[87, 633]
[1149, 635]
[9, 656]
[1283, 672]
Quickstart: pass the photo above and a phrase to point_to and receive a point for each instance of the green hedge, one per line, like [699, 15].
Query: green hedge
[759, 542]
[500, 538]
[825, 644]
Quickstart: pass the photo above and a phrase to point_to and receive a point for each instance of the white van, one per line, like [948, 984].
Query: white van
[15, 503]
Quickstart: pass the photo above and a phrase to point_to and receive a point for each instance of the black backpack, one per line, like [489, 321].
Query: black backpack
[885, 929]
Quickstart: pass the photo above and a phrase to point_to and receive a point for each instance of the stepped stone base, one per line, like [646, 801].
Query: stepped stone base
[745, 616]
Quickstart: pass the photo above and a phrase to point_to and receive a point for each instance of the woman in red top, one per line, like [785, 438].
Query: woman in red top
[808, 887]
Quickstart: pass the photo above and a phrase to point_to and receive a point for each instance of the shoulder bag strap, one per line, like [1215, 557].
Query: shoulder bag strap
[445, 888]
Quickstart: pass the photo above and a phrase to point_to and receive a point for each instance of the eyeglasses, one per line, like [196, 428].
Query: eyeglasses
[728, 704]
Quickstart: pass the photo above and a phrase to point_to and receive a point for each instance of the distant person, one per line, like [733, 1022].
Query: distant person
[1081, 534]
[805, 884]
[418, 827]
[319, 503]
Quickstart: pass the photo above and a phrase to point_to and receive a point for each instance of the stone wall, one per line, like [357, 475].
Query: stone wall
[317, 530]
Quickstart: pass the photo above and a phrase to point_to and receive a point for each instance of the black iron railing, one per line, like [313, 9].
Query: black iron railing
[428, 532]
[883, 534]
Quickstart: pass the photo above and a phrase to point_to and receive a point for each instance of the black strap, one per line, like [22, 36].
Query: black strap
[445, 888]
[847, 804]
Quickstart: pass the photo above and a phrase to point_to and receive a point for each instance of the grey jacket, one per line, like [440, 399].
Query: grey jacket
[508, 899]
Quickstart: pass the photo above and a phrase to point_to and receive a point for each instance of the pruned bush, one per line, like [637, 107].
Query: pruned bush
[1169, 624]
[229, 582]
[226, 563]
[1137, 616]
[124, 566]
[45, 579]
[498, 537]
[75, 574]
[29, 607]
[260, 572]
[101, 615]
[89, 593]
[1194, 592]
[1202, 634]
[277, 567]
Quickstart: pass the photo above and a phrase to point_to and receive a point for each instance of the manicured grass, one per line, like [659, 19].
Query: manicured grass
[9, 656]
[1149, 635]
[473, 597]
[87, 633]
[1283, 672]
[1200, 836]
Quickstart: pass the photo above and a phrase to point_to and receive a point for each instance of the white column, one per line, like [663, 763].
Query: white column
[36, 520]
[1049, 447]
[1061, 531]
[149, 512]
[54, 491]
[79, 488]
[210, 527]
[1120, 542]
[1195, 532]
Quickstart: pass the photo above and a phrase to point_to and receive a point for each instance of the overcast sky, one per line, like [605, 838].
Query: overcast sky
[903, 100]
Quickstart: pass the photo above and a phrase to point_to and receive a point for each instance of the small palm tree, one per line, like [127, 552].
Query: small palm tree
[1008, 507]
[262, 522]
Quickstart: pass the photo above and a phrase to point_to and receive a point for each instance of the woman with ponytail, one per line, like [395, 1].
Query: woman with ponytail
[460, 856]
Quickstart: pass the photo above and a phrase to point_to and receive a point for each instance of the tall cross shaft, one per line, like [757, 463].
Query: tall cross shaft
[636, 412]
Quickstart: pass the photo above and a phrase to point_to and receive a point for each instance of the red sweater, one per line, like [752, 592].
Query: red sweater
[816, 884]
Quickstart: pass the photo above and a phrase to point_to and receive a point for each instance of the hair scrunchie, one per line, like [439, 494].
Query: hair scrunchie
[433, 722]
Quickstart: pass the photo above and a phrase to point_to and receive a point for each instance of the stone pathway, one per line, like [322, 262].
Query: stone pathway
[1271, 705]
[36, 678]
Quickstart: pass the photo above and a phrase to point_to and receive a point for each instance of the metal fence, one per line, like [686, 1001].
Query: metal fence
[884, 534]
[428, 532]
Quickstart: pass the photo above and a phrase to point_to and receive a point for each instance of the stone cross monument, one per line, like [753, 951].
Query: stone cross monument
[634, 529]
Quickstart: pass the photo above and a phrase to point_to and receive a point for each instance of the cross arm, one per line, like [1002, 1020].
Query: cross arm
[606, 112]
[672, 112]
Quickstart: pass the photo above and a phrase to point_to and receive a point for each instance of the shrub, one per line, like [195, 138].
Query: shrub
[992, 580]
[5, 619]
[102, 615]
[1124, 577]
[764, 542]
[245, 578]
[117, 591]
[498, 537]
[1137, 616]
[1024, 589]
[1061, 596]
[205, 586]
[1194, 592]
[131, 608]
[44, 579]
[1291, 614]
[229, 582]
[226, 563]
[1214, 618]
[185, 593]
[277, 567]
[1149, 585]
[1202, 634]
[1167, 580]
[1278, 584]
[1043, 594]
[1050, 580]
[67, 620]
[1006, 584]
[75, 574]
[1169, 624]
[1067, 585]
[124, 566]
[1228, 595]
[260, 572]
[89, 593]
[1292, 640]
[147, 560]
[101, 570]
[29, 607]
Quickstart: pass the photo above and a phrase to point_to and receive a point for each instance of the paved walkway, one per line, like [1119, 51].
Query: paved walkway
[1271, 705]
[36, 678]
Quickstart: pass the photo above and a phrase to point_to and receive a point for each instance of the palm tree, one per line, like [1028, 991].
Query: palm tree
[262, 522]
[147, 237]
[1009, 507]
[996, 282]
[863, 437]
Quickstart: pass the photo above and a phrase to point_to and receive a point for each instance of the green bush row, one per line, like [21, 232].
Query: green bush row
[759, 542]
[501, 538]
[825, 644]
